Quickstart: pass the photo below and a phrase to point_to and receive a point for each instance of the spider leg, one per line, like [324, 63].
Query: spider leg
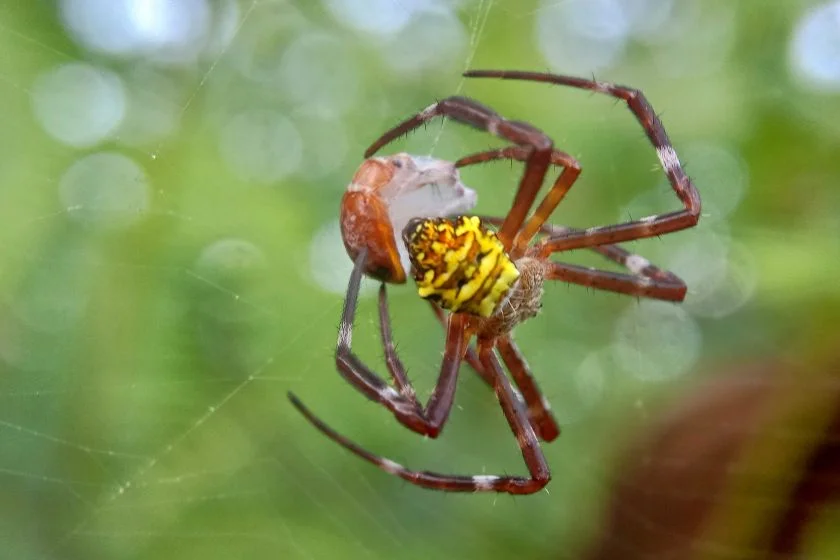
[561, 186]
[518, 420]
[539, 412]
[392, 359]
[425, 479]
[646, 227]
[636, 263]
[537, 145]
[646, 279]
[526, 438]
[403, 403]
[630, 284]
[471, 357]
[644, 272]
[355, 372]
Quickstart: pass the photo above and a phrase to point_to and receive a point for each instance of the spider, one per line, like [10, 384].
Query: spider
[489, 281]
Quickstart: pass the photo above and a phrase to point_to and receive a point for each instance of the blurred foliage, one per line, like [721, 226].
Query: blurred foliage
[144, 369]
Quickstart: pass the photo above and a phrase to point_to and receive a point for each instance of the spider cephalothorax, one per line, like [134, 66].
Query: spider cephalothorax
[384, 194]
[487, 281]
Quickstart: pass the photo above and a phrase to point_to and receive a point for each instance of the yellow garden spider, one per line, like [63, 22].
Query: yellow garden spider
[489, 282]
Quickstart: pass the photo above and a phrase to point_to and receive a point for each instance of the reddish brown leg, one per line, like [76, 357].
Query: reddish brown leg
[561, 186]
[537, 145]
[539, 474]
[652, 283]
[403, 404]
[539, 413]
[630, 284]
[646, 279]
[538, 408]
[525, 436]
[635, 263]
[392, 359]
[644, 113]
[471, 356]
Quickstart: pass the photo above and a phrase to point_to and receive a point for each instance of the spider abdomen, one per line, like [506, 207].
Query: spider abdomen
[460, 264]
[522, 302]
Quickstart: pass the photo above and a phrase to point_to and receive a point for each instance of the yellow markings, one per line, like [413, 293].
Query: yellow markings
[460, 264]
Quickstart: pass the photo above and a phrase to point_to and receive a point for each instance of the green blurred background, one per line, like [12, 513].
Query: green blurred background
[171, 266]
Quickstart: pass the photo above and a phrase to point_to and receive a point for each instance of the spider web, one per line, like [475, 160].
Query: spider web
[149, 339]
[126, 491]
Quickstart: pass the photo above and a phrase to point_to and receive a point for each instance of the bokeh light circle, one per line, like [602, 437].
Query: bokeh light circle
[228, 267]
[56, 296]
[325, 147]
[815, 47]
[723, 174]
[656, 340]
[585, 388]
[373, 16]
[261, 145]
[155, 106]
[224, 256]
[721, 275]
[79, 104]
[433, 40]
[318, 75]
[172, 31]
[105, 191]
[581, 36]
[329, 264]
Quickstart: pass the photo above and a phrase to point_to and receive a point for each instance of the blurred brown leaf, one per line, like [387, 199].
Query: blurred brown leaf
[738, 468]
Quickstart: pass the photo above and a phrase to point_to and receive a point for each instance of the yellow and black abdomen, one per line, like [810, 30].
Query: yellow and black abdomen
[459, 263]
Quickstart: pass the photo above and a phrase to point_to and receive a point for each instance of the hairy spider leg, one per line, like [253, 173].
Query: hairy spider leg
[403, 402]
[645, 279]
[472, 113]
[649, 226]
[539, 474]
[570, 172]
